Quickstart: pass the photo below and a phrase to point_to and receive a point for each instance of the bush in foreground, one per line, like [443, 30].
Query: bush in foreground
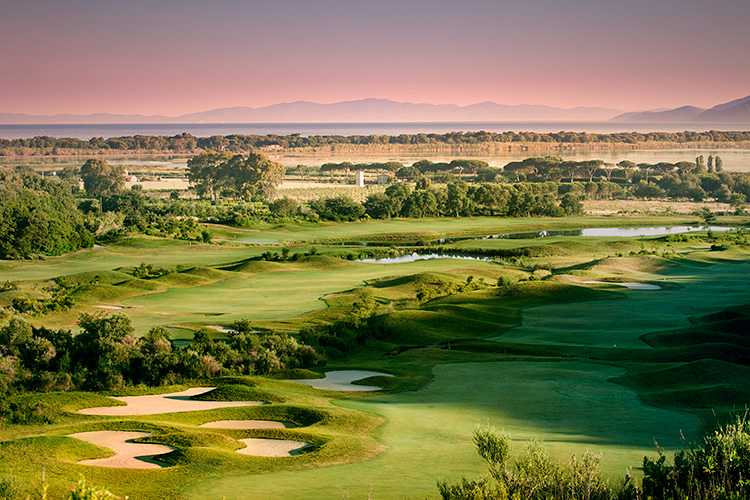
[719, 469]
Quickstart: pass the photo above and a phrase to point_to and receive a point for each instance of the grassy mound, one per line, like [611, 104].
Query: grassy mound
[206, 273]
[635, 264]
[706, 383]
[96, 277]
[293, 374]
[193, 439]
[728, 327]
[237, 392]
[253, 266]
[68, 402]
[38, 450]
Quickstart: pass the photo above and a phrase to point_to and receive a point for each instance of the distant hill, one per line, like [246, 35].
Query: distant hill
[683, 114]
[361, 111]
[387, 111]
[737, 111]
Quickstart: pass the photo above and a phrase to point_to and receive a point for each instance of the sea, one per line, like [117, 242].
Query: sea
[83, 131]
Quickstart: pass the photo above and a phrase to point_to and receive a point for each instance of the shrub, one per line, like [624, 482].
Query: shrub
[10, 488]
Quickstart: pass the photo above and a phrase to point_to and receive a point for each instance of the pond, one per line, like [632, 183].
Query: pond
[415, 256]
[623, 232]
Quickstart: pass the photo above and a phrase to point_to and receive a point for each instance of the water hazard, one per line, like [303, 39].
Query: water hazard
[623, 232]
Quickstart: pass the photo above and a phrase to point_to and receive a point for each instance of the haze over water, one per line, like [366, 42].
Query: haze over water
[308, 129]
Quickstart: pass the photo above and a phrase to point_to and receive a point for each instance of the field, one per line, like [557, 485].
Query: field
[549, 355]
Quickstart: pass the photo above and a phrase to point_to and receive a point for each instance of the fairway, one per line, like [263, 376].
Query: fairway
[569, 405]
[621, 323]
[256, 297]
[427, 227]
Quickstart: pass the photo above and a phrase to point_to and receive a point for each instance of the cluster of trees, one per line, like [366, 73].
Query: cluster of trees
[695, 181]
[349, 333]
[49, 216]
[592, 179]
[556, 169]
[417, 169]
[716, 469]
[38, 216]
[107, 355]
[253, 176]
[186, 143]
[457, 199]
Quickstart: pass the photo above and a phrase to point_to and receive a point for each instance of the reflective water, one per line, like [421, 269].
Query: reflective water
[623, 232]
[595, 231]
[415, 256]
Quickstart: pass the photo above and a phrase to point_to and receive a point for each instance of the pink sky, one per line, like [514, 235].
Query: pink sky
[180, 56]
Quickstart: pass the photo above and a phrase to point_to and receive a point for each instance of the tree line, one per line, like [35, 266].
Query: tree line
[237, 143]
[457, 199]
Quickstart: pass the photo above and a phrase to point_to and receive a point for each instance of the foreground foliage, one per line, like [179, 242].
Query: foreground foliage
[717, 469]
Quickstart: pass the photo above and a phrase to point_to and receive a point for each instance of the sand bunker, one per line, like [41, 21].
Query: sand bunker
[272, 447]
[248, 424]
[165, 403]
[114, 308]
[342, 381]
[222, 329]
[128, 455]
[631, 285]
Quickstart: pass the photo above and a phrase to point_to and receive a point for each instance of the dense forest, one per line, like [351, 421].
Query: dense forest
[187, 144]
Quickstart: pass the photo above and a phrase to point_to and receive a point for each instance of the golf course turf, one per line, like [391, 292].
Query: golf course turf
[556, 351]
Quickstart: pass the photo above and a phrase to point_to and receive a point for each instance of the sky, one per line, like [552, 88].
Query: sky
[173, 57]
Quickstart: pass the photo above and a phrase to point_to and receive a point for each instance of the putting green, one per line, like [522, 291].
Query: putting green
[570, 405]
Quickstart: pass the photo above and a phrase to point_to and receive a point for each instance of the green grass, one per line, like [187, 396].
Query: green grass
[570, 405]
[265, 234]
[580, 366]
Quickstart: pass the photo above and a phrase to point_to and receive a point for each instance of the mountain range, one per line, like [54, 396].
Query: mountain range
[737, 111]
[388, 111]
[361, 111]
